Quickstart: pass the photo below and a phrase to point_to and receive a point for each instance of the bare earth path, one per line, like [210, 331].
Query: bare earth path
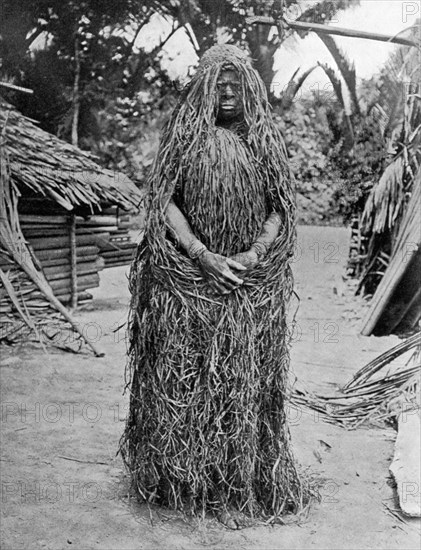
[63, 414]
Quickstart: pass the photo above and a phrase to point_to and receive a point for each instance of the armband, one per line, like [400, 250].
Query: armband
[196, 249]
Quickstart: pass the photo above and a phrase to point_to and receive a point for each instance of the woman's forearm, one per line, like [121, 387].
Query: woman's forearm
[217, 268]
[182, 231]
[270, 231]
[194, 247]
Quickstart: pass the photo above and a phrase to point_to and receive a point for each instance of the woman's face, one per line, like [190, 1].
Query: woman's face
[230, 100]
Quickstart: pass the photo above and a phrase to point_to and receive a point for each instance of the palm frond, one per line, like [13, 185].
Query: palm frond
[381, 117]
[294, 86]
[335, 81]
[385, 199]
[346, 68]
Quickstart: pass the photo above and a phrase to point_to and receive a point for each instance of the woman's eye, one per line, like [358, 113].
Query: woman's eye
[233, 85]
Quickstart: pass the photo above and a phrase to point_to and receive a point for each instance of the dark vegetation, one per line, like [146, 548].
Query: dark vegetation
[96, 87]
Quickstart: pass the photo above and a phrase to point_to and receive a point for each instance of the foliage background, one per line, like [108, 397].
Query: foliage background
[90, 64]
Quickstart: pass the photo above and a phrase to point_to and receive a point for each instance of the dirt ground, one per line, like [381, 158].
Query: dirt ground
[62, 415]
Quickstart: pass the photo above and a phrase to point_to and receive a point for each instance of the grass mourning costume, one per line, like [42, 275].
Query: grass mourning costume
[209, 355]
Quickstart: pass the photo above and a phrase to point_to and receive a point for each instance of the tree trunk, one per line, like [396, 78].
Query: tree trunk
[262, 52]
[76, 95]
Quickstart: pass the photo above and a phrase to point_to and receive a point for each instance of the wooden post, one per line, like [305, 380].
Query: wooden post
[73, 261]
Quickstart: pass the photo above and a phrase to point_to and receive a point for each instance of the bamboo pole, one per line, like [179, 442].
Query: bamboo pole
[63, 271]
[63, 253]
[73, 261]
[327, 29]
[63, 264]
[91, 239]
[17, 88]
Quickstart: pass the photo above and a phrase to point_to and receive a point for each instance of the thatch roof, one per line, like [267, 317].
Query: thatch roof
[42, 163]
[396, 304]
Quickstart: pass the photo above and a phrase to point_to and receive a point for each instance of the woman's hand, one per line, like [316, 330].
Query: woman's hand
[217, 269]
[248, 259]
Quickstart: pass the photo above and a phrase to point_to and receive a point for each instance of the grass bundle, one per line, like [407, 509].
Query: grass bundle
[208, 375]
[377, 392]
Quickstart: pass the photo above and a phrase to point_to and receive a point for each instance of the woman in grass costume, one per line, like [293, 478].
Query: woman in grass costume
[208, 337]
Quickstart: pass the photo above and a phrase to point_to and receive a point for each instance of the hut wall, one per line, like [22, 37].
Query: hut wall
[120, 248]
[102, 240]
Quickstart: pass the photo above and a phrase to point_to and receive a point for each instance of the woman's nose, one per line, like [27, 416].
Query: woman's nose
[228, 90]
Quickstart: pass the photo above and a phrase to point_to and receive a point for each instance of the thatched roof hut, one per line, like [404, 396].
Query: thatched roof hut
[65, 210]
[43, 165]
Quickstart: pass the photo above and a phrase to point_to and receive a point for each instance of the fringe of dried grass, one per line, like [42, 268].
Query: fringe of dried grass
[208, 375]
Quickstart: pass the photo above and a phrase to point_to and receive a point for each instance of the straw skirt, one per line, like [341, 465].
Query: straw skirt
[208, 376]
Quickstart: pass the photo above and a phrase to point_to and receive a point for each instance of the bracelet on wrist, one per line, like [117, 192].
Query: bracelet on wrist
[196, 249]
[260, 249]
